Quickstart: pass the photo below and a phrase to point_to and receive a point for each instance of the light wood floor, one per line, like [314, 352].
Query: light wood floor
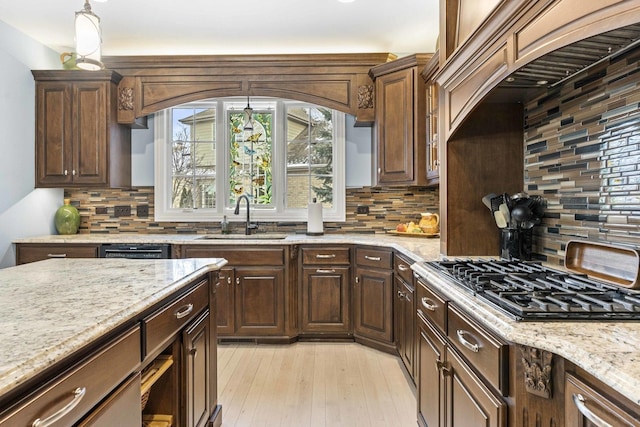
[313, 385]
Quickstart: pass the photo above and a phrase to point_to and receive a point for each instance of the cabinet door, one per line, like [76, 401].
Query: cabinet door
[429, 382]
[587, 407]
[225, 302]
[325, 299]
[197, 373]
[373, 301]
[469, 402]
[408, 321]
[259, 301]
[90, 133]
[394, 127]
[53, 134]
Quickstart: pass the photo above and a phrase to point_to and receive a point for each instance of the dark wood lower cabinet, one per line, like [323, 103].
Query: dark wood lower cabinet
[325, 300]
[197, 369]
[225, 289]
[259, 301]
[373, 304]
[429, 382]
[405, 323]
[470, 403]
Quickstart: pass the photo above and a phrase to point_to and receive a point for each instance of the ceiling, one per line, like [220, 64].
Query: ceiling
[194, 27]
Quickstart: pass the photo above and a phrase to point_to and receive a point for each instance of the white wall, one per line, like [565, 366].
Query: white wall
[23, 211]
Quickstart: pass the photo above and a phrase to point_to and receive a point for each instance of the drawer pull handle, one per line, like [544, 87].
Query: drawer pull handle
[428, 304]
[321, 270]
[78, 394]
[229, 280]
[372, 258]
[184, 311]
[581, 404]
[328, 256]
[403, 267]
[461, 337]
[57, 255]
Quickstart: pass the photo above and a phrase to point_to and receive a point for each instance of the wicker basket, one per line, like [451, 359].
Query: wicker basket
[157, 420]
[151, 374]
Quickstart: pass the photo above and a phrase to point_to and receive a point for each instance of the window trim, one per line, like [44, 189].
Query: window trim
[162, 175]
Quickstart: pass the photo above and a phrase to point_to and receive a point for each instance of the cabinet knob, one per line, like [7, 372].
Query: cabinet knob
[237, 280]
[400, 295]
[66, 172]
[73, 172]
[357, 279]
[229, 280]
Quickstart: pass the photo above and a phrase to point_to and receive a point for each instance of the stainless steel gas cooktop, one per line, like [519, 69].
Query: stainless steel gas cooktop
[526, 290]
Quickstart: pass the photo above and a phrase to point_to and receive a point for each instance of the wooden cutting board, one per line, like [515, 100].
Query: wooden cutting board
[613, 264]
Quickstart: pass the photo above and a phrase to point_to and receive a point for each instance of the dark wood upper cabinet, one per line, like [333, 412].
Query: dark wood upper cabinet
[400, 124]
[78, 140]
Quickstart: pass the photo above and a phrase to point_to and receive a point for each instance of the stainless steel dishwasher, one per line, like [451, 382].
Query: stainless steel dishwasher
[135, 250]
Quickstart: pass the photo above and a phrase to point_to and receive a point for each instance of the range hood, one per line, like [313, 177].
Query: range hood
[554, 68]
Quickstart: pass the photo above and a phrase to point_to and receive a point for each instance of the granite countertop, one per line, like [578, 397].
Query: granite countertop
[43, 315]
[416, 248]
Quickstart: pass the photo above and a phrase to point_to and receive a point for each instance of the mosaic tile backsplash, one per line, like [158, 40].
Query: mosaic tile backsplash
[582, 153]
[387, 208]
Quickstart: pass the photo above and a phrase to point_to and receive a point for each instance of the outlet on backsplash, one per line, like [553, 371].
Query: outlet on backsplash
[122, 210]
[362, 209]
[142, 211]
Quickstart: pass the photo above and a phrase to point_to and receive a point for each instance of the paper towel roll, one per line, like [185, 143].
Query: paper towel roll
[314, 219]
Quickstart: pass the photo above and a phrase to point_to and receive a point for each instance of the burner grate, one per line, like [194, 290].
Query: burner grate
[528, 290]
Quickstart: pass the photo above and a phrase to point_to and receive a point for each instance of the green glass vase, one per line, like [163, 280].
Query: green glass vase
[67, 218]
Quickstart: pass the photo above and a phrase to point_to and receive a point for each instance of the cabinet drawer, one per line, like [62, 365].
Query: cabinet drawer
[378, 258]
[161, 326]
[78, 390]
[326, 255]
[432, 306]
[31, 253]
[249, 257]
[583, 402]
[486, 353]
[403, 268]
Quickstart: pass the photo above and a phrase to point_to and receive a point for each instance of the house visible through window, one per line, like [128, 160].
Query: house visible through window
[206, 158]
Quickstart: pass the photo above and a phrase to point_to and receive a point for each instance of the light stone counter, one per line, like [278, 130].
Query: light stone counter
[610, 351]
[417, 248]
[50, 309]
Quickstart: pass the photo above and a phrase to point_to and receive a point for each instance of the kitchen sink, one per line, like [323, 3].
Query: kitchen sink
[263, 236]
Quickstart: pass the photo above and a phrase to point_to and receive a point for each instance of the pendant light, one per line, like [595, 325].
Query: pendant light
[248, 112]
[88, 39]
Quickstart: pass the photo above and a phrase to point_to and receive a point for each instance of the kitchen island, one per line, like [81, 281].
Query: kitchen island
[59, 317]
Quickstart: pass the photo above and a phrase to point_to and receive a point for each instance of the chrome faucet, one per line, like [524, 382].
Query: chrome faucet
[248, 225]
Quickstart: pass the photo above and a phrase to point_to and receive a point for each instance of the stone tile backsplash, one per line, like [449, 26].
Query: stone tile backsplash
[582, 153]
[387, 208]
